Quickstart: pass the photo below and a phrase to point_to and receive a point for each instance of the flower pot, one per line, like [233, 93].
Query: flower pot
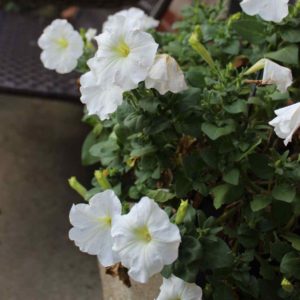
[114, 289]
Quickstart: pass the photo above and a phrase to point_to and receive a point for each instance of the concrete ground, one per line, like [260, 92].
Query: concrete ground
[40, 144]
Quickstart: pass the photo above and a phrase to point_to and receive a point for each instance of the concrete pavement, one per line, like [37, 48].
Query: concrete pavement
[40, 144]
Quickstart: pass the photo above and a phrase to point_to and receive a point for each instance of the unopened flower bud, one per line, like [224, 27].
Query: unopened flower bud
[181, 212]
[287, 285]
[101, 177]
[77, 186]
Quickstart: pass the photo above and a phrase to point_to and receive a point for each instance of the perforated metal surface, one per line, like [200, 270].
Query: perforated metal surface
[20, 67]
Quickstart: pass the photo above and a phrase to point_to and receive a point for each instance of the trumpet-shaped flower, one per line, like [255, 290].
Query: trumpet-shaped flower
[276, 74]
[92, 226]
[165, 75]
[62, 46]
[145, 239]
[137, 19]
[175, 288]
[124, 56]
[100, 99]
[275, 10]
[287, 122]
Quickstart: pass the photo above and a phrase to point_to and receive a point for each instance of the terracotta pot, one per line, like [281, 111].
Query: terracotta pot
[114, 289]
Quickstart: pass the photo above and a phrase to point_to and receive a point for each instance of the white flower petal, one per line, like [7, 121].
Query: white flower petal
[165, 75]
[62, 46]
[136, 20]
[276, 74]
[145, 239]
[175, 288]
[92, 226]
[124, 57]
[101, 100]
[275, 10]
[287, 122]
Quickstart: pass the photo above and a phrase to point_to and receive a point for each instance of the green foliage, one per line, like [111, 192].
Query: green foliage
[212, 146]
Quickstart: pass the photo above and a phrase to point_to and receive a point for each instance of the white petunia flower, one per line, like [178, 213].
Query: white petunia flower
[90, 34]
[269, 10]
[165, 75]
[100, 100]
[287, 122]
[175, 288]
[124, 56]
[62, 46]
[273, 74]
[145, 239]
[276, 74]
[136, 17]
[92, 226]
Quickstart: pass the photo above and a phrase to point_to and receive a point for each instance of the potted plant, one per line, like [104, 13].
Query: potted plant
[195, 144]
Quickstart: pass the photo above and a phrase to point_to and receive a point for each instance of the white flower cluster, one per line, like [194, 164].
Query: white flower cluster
[126, 56]
[144, 240]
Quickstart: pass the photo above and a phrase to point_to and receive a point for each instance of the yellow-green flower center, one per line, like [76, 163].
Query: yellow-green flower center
[62, 42]
[122, 49]
[142, 234]
[105, 220]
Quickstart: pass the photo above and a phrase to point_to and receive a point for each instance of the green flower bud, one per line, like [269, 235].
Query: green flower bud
[201, 50]
[181, 212]
[233, 18]
[287, 285]
[77, 186]
[101, 177]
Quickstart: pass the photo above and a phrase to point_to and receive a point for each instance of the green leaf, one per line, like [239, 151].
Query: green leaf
[225, 193]
[186, 272]
[232, 177]
[290, 265]
[190, 250]
[219, 192]
[259, 202]
[216, 254]
[266, 270]
[86, 157]
[247, 237]
[223, 292]
[284, 192]
[106, 151]
[294, 239]
[250, 29]
[239, 106]
[160, 195]
[278, 249]
[291, 35]
[122, 133]
[287, 55]
[259, 165]
[195, 77]
[143, 150]
[182, 184]
[214, 132]
[149, 104]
